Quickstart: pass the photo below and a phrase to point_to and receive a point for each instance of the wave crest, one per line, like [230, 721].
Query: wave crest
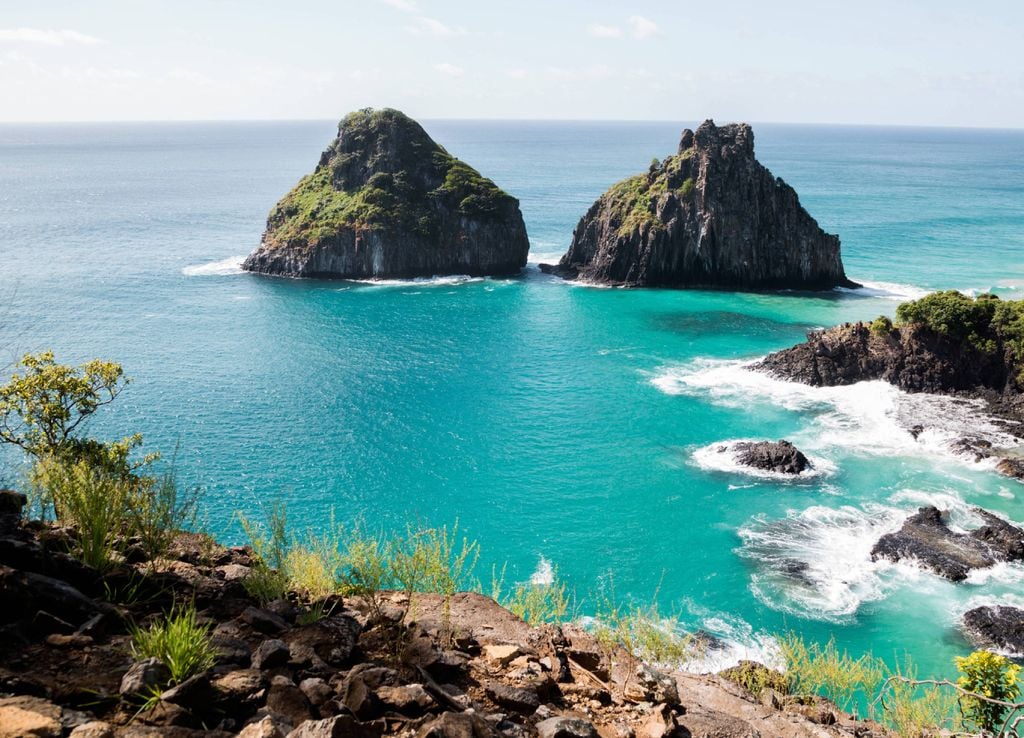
[222, 268]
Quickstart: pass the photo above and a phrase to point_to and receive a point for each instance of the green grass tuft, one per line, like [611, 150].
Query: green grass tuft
[179, 641]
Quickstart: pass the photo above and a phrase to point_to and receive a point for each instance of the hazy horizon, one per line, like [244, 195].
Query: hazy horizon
[924, 64]
[451, 119]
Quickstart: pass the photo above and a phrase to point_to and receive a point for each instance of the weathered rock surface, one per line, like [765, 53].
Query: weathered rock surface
[912, 357]
[925, 538]
[996, 626]
[781, 457]
[709, 216]
[467, 668]
[386, 201]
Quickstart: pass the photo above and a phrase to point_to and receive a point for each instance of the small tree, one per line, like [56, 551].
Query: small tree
[989, 675]
[42, 407]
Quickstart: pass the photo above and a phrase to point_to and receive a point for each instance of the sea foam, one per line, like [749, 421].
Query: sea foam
[222, 268]
[722, 456]
[817, 563]
[868, 417]
[886, 290]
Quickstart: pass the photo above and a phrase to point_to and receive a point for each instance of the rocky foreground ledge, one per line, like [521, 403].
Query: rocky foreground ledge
[66, 668]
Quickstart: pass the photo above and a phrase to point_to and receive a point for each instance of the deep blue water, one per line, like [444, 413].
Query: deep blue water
[557, 421]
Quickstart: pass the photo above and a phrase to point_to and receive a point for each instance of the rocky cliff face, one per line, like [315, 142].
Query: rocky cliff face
[709, 216]
[386, 201]
[913, 357]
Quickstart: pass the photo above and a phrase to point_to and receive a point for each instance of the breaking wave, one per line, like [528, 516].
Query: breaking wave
[867, 417]
[722, 456]
[222, 268]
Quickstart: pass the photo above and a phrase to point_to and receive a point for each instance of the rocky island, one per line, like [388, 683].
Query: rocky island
[386, 201]
[711, 216]
[926, 539]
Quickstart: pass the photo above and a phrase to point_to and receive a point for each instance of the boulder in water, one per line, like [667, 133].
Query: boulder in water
[781, 457]
[996, 626]
[925, 538]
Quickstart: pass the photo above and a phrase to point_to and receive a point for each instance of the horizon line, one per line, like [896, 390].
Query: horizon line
[833, 124]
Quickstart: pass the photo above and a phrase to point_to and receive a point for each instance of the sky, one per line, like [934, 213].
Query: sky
[899, 62]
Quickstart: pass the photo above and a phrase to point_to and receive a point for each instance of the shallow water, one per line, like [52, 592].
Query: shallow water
[558, 423]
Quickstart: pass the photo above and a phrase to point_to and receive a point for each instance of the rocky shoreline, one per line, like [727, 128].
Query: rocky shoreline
[445, 668]
[975, 361]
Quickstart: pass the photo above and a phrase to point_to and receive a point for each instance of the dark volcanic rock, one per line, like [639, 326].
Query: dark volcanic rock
[996, 626]
[386, 201]
[913, 357]
[927, 539]
[944, 343]
[709, 216]
[780, 456]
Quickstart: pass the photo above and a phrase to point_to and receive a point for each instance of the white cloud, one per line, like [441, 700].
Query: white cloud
[406, 6]
[450, 69]
[642, 27]
[435, 27]
[518, 73]
[49, 37]
[598, 31]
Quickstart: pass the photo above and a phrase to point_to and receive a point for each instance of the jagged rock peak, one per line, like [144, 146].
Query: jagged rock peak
[708, 216]
[385, 201]
[738, 137]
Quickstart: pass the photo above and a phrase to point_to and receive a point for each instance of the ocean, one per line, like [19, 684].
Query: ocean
[567, 428]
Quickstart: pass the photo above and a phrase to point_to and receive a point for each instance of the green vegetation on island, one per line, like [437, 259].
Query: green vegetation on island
[983, 321]
[633, 202]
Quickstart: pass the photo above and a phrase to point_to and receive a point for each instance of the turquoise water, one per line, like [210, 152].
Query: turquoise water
[557, 423]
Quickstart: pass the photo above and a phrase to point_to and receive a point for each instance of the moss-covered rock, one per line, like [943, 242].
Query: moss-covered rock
[386, 200]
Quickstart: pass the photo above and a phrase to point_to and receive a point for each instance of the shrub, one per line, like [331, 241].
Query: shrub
[309, 567]
[989, 675]
[756, 678]
[98, 505]
[543, 602]
[433, 560]
[954, 314]
[915, 710]
[265, 584]
[365, 569]
[827, 672]
[881, 325]
[267, 581]
[179, 641]
[161, 511]
[312, 565]
[642, 632]
[269, 540]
